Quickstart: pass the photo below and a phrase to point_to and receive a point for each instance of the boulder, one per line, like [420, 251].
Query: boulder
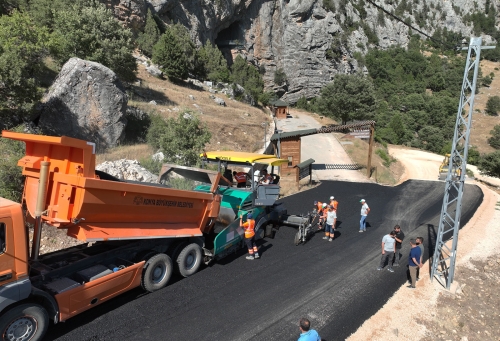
[154, 70]
[127, 170]
[132, 13]
[237, 91]
[86, 101]
[220, 101]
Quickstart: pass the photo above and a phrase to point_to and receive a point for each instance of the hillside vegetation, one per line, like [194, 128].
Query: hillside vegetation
[412, 93]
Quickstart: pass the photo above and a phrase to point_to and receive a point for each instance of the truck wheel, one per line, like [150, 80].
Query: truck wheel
[25, 322]
[157, 272]
[189, 260]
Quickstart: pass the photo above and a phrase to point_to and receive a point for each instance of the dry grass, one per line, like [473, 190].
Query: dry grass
[132, 152]
[237, 126]
[482, 123]
[358, 152]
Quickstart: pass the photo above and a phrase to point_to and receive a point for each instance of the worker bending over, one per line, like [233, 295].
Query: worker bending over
[321, 208]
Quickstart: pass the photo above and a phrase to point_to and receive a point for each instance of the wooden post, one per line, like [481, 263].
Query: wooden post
[370, 150]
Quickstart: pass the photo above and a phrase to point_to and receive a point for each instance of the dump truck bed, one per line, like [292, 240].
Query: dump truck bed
[94, 209]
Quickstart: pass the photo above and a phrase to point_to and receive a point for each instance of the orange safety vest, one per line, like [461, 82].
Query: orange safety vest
[335, 204]
[249, 227]
[241, 177]
[320, 207]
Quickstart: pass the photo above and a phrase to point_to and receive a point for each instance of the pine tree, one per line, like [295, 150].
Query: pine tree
[150, 36]
[214, 64]
[168, 53]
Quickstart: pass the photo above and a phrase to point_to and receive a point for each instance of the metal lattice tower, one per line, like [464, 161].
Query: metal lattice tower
[443, 264]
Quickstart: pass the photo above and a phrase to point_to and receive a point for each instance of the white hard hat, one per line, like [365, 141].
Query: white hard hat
[331, 198]
[324, 205]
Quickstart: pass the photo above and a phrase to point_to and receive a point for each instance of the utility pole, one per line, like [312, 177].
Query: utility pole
[443, 262]
[264, 124]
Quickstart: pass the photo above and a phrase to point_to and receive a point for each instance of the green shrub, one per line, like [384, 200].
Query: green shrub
[248, 77]
[490, 164]
[387, 159]
[266, 97]
[88, 30]
[156, 128]
[151, 165]
[473, 156]
[493, 105]
[22, 46]
[11, 178]
[494, 140]
[329, 5]
[181, 139]
[280, 77]
[486, 81]
[181, 183]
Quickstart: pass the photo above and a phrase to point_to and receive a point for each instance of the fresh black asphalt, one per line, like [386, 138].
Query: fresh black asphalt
[334, 284]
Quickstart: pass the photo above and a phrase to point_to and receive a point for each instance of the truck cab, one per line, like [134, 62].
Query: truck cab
[14, 282]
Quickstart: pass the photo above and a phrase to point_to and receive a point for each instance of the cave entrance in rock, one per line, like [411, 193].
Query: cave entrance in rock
[230, 40]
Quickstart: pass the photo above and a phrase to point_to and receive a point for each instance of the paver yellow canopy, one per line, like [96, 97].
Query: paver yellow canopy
[243, 157]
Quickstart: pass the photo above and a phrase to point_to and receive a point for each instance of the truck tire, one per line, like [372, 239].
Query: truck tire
[157, 272]
[189, 259]
[25, 322]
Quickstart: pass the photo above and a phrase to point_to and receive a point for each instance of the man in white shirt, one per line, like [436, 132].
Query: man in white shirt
[388, 248]
[364, 212]
[331, 219]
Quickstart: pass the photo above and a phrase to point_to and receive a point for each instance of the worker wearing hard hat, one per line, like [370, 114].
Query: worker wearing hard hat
[331, 220]
[334, 202]
[320, 208]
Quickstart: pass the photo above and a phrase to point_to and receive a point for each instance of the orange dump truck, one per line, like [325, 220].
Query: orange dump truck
[138, 232]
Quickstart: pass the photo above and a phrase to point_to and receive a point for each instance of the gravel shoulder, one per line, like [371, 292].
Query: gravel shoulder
[470, 310]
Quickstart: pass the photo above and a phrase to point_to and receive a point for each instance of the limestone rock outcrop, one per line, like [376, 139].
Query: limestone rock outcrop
[86, 101]
[310, 40]
[127, 170]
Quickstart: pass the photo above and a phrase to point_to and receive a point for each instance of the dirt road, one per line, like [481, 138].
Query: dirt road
[418, 164]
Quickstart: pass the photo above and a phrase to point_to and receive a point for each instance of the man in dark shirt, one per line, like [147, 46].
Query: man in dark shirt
[399, 239]
[414, 262]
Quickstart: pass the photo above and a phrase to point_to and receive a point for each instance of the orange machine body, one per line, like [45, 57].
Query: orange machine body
[93, 209]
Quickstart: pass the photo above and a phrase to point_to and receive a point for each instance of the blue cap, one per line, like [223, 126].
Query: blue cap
[315, 203]
[249, 216]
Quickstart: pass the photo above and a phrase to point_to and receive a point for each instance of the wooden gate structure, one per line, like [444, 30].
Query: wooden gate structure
[287, 145]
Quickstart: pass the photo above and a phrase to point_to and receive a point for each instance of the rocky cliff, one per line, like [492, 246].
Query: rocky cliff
[310, 40]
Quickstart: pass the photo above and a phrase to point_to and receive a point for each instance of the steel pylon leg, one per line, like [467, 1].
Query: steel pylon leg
[443, 263]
